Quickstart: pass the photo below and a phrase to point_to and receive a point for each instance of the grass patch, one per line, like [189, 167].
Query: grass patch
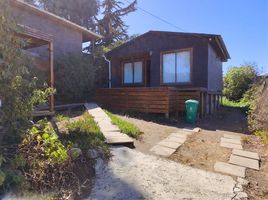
[61, 117]
[244, 106]
[85, 134]
[263, 135]
[124, 126]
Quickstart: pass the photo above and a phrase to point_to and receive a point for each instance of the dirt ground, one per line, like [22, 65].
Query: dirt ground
[202, 150]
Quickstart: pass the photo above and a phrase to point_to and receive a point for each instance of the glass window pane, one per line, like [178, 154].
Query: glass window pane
[128, 73]
[138, 72]
[183, 67]
[169, 68]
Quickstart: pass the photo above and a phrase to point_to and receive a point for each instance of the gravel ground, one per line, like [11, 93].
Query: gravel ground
[133, 175]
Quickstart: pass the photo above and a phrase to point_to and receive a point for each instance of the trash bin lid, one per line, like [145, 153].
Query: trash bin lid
[192, 101]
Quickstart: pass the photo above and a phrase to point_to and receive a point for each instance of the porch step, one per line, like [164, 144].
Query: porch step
[110, 131]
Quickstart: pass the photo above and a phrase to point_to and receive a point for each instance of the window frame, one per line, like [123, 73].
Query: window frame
[162, 53]
[132, 63]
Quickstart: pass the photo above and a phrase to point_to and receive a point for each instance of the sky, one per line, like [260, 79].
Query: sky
[243, 24]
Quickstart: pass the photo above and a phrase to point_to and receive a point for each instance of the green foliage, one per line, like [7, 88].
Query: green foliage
[18, 90]
[18, 161]
[263, 135]
[124, 126]
[112, 26]
[47, 140]
[235, 104]
[238, 80]
[2, 174]
[258, 115]
[85, 134]
[60, 118]
[75, 78]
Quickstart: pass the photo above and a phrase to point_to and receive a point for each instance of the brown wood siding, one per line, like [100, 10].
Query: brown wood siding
[152, 100]
[154, 44]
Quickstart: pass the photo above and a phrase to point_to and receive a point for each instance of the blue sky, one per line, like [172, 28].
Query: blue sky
[243, 24]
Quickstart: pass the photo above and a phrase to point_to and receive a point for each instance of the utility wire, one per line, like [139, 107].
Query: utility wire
[159, 18]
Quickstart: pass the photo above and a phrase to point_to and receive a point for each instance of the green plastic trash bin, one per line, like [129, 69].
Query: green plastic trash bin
[191, 110]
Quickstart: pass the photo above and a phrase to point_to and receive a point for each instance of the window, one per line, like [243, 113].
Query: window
[133, 73]
[177, 67]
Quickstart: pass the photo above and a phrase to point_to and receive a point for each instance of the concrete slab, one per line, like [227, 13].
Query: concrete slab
[232, 136]
[179, 135]
[162, 151]
[230, 145]
[229, 140]
[230, 169]
[245, 162]
[111, 132]
[246, 154]
[170, 144]
[175, 139]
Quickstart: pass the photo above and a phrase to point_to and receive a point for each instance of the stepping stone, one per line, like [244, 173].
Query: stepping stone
[170, 144]
[179, 135]
[233, 141]
[119, 140]
[162, 151]
[232, 136]
[245, 162]
[230, 169]
[197, 130]
[246, 154]
[231, 145]
[175, 139]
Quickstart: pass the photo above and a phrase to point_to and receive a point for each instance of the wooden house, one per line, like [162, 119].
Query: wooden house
[48, 36]
[157, 71]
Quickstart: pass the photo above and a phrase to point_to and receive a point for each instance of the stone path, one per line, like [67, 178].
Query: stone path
[170, 144]
[133, 175]
[239, 159]
[111, 132]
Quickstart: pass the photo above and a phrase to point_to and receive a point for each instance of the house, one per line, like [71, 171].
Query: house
[173, 66]
[48, 36]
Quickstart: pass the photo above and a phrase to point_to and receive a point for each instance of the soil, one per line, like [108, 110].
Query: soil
[202, 150]
[258, 187]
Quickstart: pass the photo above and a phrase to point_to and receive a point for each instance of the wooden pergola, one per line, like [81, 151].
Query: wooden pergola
[36, 38]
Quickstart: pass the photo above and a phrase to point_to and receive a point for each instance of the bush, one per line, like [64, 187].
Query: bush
[258, 115]
[238, 80]
[74, 78]
[18, 90]
[85, 134]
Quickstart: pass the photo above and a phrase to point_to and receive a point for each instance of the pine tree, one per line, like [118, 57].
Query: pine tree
[111, 26]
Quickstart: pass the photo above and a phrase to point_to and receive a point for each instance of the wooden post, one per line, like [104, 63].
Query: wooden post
[51, 76]
[202, 104]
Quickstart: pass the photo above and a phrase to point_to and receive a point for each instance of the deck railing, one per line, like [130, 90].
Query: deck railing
[157, 99]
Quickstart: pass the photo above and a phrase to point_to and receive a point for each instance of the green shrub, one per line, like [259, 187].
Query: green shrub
[18, 91]
[74, 78]
[238, 80]
[258, 115]
[263, 135]
[124, 126]
[85, 134]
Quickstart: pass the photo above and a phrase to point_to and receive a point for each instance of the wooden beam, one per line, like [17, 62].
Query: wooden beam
[51, 75]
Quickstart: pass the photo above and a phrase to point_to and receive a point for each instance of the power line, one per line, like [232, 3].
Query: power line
[159, 18]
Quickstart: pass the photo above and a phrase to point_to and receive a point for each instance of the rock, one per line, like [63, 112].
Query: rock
[242, 181]
[241, 195]
[236, 190]
[92, 153]
[197, 129]
[76, 152]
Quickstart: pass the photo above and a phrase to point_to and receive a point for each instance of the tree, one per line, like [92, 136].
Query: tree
[238, 80]
[111, 26]
[81, 12]
[18, 89]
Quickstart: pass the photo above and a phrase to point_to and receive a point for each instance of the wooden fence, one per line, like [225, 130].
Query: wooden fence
[156, 100]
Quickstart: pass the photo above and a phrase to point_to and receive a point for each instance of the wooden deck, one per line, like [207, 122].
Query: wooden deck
[156, 100]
